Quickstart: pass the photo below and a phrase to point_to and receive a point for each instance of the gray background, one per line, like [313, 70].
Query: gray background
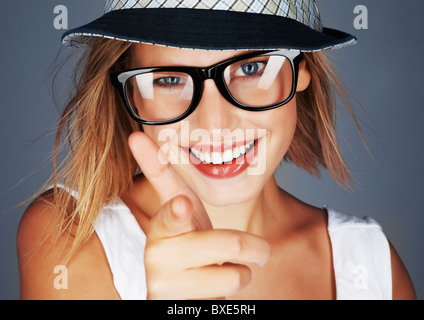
[384, 71]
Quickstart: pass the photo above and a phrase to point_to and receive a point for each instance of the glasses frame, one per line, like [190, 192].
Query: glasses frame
[199, 75]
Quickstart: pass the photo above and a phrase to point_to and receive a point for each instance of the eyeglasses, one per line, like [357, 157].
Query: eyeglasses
[256, 81]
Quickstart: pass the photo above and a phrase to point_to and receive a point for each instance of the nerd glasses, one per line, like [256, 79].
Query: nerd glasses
[256, 81]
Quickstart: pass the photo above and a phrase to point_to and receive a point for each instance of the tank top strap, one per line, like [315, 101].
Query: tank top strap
[361, 257]
[123, 241]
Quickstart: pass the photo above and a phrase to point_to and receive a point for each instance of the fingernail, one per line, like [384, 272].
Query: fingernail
[179, 206]
[261, 264]
[162, 157]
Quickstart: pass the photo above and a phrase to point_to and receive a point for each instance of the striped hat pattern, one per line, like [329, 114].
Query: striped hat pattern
[304, 11]
[275, 24]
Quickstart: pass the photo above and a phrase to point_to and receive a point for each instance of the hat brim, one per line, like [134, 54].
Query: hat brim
[207, 29]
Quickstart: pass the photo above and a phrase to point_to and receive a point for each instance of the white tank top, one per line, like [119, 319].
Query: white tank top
[361, 254]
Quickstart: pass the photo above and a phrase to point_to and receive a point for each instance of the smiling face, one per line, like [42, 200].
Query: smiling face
[224, 153]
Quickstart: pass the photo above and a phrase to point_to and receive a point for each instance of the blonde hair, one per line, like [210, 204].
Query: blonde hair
[315, 143]
[95, 127]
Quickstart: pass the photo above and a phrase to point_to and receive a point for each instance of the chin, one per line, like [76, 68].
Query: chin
[227, 192]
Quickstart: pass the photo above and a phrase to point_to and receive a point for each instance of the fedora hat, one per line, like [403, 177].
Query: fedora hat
[213, 25]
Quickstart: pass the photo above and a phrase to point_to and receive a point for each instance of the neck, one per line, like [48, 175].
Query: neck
[257, 216]
[251, 216]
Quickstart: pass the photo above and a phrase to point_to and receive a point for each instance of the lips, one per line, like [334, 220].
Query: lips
[223, 162]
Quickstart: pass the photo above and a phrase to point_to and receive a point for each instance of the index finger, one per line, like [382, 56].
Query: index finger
[155, 167]
[166, 182]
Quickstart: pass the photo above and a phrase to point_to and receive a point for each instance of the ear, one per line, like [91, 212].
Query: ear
[304, 76]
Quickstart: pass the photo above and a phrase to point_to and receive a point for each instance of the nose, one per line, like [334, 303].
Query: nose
[213, 110]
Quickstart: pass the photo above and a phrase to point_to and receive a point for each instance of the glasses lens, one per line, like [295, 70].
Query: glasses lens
[159, 96]
[260, 81]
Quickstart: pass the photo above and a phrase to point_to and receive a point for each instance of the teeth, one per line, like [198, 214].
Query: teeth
[207, 157]
[227, 156]
[201, 156]
[237, 152]
[242, 149]
[218, 157]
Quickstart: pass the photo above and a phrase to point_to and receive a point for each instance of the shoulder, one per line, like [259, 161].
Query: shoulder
[42, 246]
[38, 224]
[403, 288]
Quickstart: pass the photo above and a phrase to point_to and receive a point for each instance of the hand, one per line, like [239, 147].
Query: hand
[184, 257]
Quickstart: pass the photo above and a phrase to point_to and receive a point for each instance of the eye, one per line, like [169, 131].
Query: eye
[169, 81]
[250, 68]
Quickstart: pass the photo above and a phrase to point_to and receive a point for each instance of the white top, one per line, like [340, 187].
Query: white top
[361, 254]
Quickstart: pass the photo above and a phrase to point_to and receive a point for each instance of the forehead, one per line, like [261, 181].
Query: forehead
[143, 55]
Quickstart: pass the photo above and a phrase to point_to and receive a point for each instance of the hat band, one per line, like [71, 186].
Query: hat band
[303, 11]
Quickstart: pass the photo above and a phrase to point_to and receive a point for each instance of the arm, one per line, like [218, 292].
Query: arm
[403, 288]
[41, 249]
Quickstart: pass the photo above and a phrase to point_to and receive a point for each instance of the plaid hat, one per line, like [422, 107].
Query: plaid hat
[214, 25]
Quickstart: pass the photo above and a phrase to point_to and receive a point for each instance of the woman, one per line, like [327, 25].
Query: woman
[205, 99]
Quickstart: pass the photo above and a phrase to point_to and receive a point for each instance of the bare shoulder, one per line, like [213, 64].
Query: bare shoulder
[403, 288]
[308, 216]
[44, 272]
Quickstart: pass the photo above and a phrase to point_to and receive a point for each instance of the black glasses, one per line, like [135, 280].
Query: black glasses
[256, 81]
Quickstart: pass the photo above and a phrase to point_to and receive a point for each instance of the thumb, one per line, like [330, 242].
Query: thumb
[174, 218]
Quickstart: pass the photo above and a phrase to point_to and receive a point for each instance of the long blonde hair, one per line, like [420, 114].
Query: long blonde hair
[95, 127]
[315, 143]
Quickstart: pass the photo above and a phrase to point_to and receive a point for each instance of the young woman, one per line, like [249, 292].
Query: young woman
[182, 112]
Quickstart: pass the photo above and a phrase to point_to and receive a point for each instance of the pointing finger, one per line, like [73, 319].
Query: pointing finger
[166, 182]
[174, 218]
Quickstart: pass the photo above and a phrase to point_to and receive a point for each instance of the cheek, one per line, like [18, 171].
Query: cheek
[287, 122]
[163, 134]
[167, 138]
[281, 125]
[151, 131]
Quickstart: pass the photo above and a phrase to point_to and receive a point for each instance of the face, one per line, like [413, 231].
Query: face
[224, 153]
